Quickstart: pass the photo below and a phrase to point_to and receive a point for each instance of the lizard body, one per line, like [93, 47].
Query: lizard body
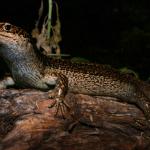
[30, 69]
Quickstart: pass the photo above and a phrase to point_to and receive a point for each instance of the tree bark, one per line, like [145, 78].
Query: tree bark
[98, 123]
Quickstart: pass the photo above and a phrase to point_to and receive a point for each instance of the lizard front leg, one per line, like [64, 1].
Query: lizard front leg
[6, 82]
[58, 93]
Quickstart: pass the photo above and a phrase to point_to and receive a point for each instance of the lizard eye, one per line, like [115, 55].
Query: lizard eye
[7, 27]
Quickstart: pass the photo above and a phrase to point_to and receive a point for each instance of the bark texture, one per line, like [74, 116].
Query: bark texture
[98, 123]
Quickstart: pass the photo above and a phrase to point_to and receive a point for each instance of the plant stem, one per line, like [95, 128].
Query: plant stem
[49, 18]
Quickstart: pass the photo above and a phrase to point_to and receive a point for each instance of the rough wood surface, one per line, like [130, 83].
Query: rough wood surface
[98, 123]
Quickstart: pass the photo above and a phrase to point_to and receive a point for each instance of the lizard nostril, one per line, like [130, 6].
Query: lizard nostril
[7, 27]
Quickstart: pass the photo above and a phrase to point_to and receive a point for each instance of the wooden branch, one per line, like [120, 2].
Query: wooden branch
[95, 123]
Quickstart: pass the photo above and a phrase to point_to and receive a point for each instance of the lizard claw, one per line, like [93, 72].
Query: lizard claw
[143, 125]
[61, 106]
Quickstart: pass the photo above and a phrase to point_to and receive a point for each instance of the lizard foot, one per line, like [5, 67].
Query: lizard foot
[144, 126]
[7, 81]
[61, 106]
[141, 124]
[145, 107]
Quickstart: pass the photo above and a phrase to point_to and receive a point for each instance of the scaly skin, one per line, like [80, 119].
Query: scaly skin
[30, 69]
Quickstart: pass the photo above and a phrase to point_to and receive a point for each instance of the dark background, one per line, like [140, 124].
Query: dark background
[110, 32]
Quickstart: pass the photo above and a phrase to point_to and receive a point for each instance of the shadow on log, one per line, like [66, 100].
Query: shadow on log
[98, 123]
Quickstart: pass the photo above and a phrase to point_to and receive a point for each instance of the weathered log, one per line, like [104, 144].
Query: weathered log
[95, 123]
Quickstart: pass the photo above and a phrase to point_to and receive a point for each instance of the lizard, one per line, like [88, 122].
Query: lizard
[29, 68]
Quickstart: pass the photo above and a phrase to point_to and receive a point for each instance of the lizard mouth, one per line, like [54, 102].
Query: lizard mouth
[6, 39]
[3, 35]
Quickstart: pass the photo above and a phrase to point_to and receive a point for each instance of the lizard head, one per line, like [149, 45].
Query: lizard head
[12, 35]
[13, 40]
[9, 30]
